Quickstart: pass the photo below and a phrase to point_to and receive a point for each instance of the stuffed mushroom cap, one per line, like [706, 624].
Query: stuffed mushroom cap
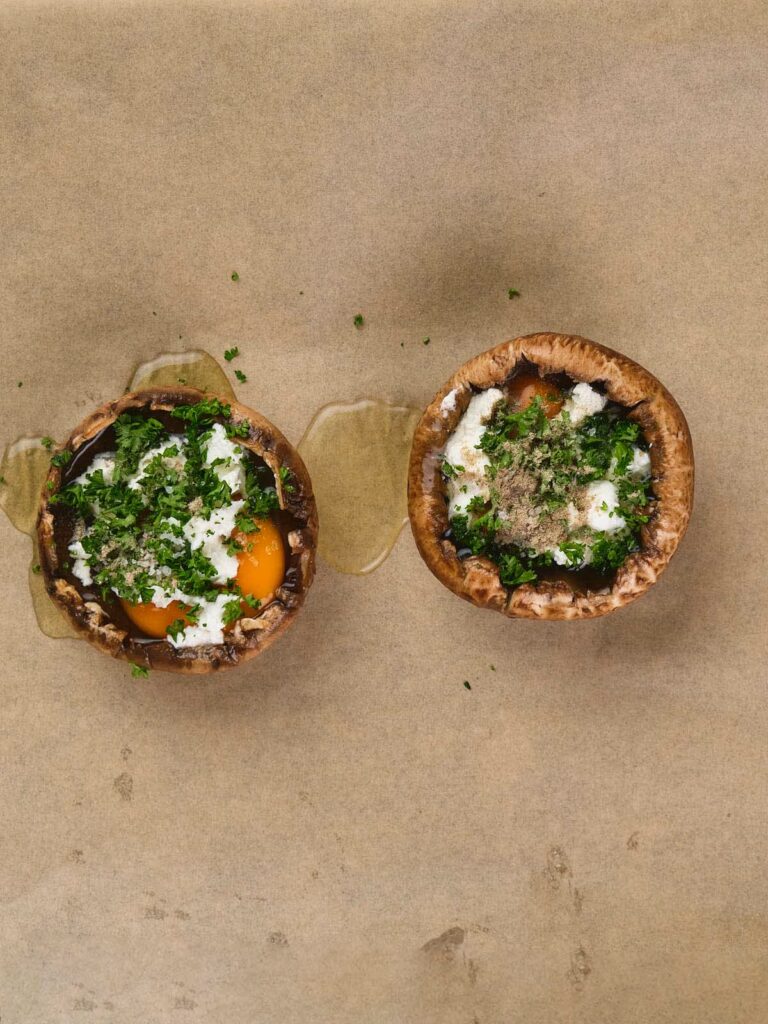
[252, 633]
[644, 399]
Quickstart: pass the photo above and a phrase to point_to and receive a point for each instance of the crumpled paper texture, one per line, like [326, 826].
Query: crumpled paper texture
[341, 831]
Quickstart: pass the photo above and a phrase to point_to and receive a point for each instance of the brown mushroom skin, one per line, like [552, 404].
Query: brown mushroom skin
[646, 400]
[250, 636]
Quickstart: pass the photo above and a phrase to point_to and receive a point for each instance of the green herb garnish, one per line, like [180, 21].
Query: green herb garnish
[61, 458]
[231, 353]
[139, 671]
[358, 320]
[232, 611]
[539, 474]
[449, 471]
[286, 478]
[176, 628]
[241, 376]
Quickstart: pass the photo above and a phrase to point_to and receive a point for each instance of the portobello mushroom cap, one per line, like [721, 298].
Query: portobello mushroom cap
[250, 635]
[646, 400]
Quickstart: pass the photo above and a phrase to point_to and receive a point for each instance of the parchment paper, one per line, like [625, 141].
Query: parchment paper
[341, 831]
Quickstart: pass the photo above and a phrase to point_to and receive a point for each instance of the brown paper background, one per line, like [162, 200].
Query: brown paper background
[586, 828]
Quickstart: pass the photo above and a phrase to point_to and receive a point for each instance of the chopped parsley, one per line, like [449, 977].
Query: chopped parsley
[232, 611]
[241, 376]
[286, 478]
[61, 458]
[47, 442]
[135, 435]
[176, 628]
[513, 293]
[36, 569]
[235, 276]
[139, 671]
[426, 341]
[534, 513]
[358, 320]
[231, 353]
[159, 517]
[467, 685]
[449, 471]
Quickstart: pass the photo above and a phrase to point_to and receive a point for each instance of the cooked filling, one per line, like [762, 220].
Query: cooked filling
[178, 526]
[538, 476]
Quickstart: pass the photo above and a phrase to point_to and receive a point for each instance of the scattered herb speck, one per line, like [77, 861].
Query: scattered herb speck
[241, 376]
[230, 353]
[427, 341]
[514, 293]
[61, 459]
[466, 685]
[235, 276]
[139, 671]
[358, 320]
[47, 442]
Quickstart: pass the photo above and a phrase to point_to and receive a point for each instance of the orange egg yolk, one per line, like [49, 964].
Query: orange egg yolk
[261, 568]
[262, 560]
[523, 389]
[152, 620]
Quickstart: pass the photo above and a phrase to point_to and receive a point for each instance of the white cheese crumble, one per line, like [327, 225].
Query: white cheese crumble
[462, 450]
[562, 559]
[602, 502]
[230, 470]
[210, 533]
[172, 461]
[209, 628]
[104, 462]
[583, 401]
[80, 567]
[640, 466]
